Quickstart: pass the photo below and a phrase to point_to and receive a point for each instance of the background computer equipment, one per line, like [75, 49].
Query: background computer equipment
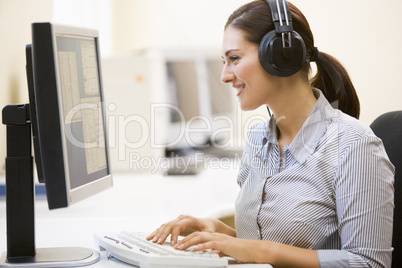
[69, 134]
[173, 101]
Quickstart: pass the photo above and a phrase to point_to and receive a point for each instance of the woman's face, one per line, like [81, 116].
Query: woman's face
[243, 70]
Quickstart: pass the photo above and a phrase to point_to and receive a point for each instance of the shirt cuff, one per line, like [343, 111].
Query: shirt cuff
[333, 258]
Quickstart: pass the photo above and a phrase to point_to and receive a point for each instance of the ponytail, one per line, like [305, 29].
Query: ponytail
[331, 77]
[334, 81]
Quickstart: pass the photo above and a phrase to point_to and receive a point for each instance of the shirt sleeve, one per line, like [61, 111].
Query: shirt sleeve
[364, 199]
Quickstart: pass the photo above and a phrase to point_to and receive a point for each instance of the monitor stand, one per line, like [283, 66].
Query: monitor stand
[20, 200]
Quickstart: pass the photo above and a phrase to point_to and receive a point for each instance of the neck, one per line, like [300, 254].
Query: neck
[291, 108]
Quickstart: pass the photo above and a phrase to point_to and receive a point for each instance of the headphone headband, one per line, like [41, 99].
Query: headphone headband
[282, 18]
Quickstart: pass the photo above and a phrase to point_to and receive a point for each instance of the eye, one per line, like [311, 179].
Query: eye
[233, 58]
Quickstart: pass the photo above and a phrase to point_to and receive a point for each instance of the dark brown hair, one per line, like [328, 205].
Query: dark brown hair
[255, 20]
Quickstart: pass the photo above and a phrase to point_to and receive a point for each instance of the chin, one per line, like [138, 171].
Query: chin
[245, 107]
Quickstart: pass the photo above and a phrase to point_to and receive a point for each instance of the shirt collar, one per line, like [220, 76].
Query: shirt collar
[307, 140]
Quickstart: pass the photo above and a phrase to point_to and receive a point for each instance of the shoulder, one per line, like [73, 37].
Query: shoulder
[351, 143]
[359, 144]
[351, 130]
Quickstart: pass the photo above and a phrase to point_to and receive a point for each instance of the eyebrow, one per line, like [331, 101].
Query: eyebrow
[230, 50]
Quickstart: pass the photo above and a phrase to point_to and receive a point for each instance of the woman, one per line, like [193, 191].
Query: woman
[316, 184]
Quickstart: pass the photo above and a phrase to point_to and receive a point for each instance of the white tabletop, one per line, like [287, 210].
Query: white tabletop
[137, 202]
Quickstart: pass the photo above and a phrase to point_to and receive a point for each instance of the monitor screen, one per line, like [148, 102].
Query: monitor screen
[66, 107]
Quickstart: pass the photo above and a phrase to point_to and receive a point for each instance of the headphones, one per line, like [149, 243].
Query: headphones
[282, 52]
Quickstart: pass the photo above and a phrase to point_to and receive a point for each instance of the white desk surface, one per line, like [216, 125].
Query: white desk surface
[137, 202]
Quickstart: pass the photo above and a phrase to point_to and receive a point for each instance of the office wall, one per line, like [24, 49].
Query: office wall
[362, 34]
[174, 24]
[95, 14]
[15, 33]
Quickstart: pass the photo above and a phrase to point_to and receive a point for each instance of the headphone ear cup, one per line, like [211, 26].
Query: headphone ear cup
[280, 61]
[266, 52]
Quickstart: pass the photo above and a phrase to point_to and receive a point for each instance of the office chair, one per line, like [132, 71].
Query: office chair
[388, 127]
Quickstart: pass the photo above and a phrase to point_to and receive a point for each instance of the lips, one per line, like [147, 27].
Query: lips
[239, 88]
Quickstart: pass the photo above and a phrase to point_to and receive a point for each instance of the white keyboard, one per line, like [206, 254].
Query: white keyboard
[134, 249]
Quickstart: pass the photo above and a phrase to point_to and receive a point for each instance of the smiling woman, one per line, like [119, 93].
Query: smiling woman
[316, 183]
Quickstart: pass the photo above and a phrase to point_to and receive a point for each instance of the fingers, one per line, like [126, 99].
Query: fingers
[180, 226]
[159, 235]
[202, 241]
[174, 235]
[190, 240]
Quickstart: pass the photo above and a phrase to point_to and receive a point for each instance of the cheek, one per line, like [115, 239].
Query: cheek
[247, 72]
[254, 75]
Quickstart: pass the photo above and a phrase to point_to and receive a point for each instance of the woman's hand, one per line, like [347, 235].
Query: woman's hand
[214, 235]
[182, 225]
[224, 245]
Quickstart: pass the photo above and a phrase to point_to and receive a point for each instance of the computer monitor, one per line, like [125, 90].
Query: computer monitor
[69, 135]
[67, 99]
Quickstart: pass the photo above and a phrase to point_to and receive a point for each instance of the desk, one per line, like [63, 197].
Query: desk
[138, 202]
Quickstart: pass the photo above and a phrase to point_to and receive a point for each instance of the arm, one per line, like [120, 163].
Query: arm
[364, 200]
[252, 251]
[220, 227]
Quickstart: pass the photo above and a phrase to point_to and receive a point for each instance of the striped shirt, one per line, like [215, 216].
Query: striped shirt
[332, 191]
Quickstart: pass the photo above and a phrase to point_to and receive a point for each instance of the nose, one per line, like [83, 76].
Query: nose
[227, 75]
